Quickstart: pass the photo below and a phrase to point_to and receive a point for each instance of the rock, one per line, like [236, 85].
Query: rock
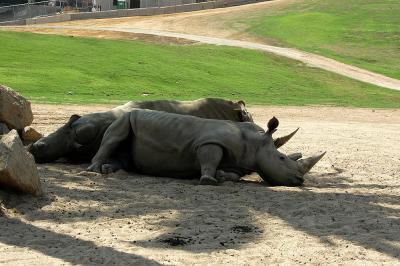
[17, 167]
[30, 134]
[15, 110]
[3, 129]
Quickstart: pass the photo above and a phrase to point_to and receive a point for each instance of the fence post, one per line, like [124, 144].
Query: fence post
[29, 9]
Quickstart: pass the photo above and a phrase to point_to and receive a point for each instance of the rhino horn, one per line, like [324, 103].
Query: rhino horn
[307, 164]
[282, 140]
[295, 156]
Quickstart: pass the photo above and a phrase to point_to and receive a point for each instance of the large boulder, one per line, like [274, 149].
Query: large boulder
[15, 110]
[17, 167]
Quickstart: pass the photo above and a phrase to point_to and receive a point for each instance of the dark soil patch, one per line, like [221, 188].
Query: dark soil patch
[242, 229]
[177, 241]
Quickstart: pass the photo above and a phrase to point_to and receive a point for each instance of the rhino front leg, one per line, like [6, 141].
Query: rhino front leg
[114, 135]
[209, 157]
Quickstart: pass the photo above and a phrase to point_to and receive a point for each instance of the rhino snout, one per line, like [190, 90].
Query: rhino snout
[40, 146]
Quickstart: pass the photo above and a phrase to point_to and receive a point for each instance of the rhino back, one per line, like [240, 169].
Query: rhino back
[211, 108]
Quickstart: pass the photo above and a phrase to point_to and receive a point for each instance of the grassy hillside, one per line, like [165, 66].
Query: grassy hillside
[59, 69]
[364, 33]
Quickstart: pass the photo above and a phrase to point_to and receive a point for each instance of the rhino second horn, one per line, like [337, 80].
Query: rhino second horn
[282, 140]
[295, 156]
[307, 164]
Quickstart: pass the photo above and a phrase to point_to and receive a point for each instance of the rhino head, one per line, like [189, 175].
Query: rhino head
[76, 138]
[244, 115]
[277, 168]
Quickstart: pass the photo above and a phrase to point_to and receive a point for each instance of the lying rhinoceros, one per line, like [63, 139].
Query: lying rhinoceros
[165, 144]
[79, 139]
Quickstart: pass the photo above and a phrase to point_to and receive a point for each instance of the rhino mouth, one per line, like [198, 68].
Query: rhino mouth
[41, 152]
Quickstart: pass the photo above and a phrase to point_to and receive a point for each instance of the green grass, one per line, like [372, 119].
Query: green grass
[364, 33]
[58, 69]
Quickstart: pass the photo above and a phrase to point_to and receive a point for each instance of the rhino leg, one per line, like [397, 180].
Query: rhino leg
[209, 157]
[113, 137]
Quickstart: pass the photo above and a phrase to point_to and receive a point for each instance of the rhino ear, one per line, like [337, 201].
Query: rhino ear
[240, 106]
[273, 123]
[73, 118]
[241, 103]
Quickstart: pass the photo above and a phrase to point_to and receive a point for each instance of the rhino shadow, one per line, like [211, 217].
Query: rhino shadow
[128, 195]
[20, 234]
[217, 218]
[358, 218]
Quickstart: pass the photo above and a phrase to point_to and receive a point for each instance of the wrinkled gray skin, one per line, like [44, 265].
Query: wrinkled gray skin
[79, 139]
[165, 144]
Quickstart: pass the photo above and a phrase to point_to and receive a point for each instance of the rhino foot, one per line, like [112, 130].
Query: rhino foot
[208, 180]
[107, 168]
[94, 167]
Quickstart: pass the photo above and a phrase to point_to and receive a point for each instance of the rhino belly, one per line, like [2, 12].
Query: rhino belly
[164, 162]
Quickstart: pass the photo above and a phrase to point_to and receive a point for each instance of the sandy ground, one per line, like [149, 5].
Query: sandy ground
[347, 213]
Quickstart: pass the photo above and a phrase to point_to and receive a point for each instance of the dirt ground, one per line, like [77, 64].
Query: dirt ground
[220, 22]
[347, 212]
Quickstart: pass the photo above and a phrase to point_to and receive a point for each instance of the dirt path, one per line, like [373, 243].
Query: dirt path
[208, 27]
[347, 212]
[312, 60]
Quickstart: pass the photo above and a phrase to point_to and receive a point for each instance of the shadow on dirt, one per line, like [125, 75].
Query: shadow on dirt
[208, 218]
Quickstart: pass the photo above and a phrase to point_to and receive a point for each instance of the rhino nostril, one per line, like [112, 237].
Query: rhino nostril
[40, 145]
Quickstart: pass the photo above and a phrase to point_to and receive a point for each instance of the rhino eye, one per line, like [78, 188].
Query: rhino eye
[282, 158]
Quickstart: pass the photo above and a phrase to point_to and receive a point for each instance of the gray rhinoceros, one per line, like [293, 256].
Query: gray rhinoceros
[79, 139]
[166, 144]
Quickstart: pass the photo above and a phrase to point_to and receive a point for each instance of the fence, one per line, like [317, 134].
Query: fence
[30, 10]
[147, 8]
[42, 9]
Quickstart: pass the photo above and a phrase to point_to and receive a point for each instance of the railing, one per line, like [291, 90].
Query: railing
[12, 15]
[30, 10]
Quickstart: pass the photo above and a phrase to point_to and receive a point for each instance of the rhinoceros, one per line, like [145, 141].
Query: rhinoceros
[79, 139]
[166, 144]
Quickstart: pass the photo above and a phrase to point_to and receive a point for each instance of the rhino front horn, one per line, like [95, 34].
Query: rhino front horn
[282, 140]
[307, 164]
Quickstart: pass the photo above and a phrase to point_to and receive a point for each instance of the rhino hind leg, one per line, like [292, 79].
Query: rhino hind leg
[209, 157]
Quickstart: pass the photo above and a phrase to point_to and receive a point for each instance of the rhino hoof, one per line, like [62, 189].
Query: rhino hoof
[94, 168]
[208, 180]
[107, 168]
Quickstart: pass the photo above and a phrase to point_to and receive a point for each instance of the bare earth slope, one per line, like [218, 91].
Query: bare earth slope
[347, 212]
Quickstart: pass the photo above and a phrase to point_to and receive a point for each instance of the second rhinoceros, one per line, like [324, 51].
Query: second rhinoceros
[165, 144]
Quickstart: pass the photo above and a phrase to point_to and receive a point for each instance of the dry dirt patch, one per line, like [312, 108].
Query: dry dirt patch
[347, 212]
[211, 22]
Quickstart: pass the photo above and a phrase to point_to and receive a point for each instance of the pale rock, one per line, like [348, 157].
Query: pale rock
[15, 110]
[17, 166]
